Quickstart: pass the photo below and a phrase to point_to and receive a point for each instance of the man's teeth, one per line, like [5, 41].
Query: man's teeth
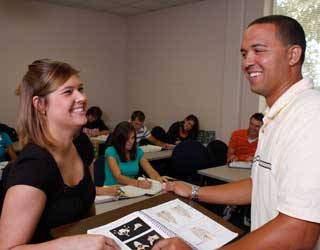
[255, 74]
[78, 109]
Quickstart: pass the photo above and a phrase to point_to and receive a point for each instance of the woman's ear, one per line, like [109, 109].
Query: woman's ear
[39, 104]
[294, 52]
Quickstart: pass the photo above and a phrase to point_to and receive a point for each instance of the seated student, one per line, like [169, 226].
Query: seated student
[49, 184]
[142, 133]
[183, 130]
[95, 125]
[6, 147]
[85, 149]
[123, 158]
[243, 143]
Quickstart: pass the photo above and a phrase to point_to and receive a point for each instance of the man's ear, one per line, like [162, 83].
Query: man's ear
[294, 53]
[39, 104]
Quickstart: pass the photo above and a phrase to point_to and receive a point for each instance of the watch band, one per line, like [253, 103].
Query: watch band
[195, 192]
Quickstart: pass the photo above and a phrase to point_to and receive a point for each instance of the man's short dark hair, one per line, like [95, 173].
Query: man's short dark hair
[290, 31]
[257, 116]
[138, 115]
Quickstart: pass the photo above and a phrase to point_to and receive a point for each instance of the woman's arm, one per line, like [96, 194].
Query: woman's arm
[11, 152]
[152, 173]
[21, 212]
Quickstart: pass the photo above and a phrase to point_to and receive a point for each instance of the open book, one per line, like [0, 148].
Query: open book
[142, 229]
[240, 164]
[131, 191]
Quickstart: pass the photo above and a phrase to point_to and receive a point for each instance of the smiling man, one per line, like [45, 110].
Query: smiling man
[284, 188]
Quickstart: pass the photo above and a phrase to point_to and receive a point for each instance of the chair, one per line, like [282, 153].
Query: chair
[187, 158]
[99, 174]
[217, 153]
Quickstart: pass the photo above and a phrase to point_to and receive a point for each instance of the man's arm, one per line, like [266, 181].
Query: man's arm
[156, 142]
[234, 193]
[283, 232]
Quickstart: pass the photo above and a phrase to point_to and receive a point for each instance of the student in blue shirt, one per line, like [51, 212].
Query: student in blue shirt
[6, 147]
[123, 158]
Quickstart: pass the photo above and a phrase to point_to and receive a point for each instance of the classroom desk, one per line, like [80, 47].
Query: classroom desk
[81, 227]
[225, 173]
[160, 155]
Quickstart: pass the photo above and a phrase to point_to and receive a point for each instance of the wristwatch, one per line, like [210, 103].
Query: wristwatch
[195, 192]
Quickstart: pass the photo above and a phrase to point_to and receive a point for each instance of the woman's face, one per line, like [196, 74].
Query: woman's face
[188, 125]
[130, 141]
[91, 118]
[66, 106]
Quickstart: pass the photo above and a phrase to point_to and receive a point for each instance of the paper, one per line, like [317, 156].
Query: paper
[100, 138]
[150, 148]
[142, 229]
[240, 164]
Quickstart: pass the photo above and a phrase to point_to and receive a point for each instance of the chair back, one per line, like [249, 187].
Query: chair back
[99, 173]
[217, 153]
[187, 158]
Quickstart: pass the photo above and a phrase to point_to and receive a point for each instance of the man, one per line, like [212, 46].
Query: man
[284, 188]
[243, 142]
[142, 133]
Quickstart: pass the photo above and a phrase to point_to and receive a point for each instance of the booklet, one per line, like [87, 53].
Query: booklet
[131, 192]
[142, 229]
[240, 164]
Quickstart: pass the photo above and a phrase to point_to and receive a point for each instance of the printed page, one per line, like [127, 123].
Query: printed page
[191, 225]
[134, 231]
[240, 164]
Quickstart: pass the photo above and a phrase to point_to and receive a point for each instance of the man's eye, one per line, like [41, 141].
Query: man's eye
[81, 89]
[69, 91]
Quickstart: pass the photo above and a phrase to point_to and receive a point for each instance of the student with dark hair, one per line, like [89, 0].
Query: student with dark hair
[243, 142]
[123, 158]
[49, 184]
[284, 185]
[95, 125]
[142, 133]
[183, 130]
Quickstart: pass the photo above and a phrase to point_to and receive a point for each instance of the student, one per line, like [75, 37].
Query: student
[137, 120]
[243, 142]
[123, 158]
[49, 184]
[95, 126]
[183, 130]
[284, 185]
[6, 147]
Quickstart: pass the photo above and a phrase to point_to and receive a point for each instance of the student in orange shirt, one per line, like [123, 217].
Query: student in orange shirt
[243, 142]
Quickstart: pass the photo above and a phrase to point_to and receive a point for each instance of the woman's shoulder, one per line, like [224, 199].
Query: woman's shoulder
[111, 150]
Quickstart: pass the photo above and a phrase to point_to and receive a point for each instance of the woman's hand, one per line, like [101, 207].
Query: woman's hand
[144, 184]
[171, 244]
[89, 242]
[108, 190]
[178, 188]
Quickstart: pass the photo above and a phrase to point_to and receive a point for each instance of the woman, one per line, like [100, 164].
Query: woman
[49, 184]
[123, 158]
[6, 147]
[183, 130]
[95, 125]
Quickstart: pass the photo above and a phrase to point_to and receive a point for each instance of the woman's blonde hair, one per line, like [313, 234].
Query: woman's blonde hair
[42, 78]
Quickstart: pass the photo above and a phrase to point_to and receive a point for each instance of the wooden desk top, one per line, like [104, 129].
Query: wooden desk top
[82, 226]
[225, 173]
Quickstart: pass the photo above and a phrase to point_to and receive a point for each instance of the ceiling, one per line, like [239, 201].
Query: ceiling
[122, 7]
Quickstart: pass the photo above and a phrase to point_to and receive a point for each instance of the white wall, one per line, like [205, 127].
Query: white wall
[168, 63]
[187, 60]
[93, 42]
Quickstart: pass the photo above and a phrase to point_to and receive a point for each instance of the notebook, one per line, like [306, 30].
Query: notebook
[131, 192]
[142, 229]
